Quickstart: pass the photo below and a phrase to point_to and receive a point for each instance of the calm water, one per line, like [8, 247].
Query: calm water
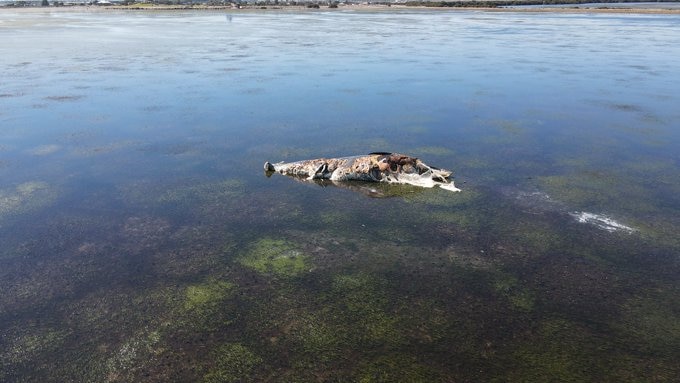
[141, 241]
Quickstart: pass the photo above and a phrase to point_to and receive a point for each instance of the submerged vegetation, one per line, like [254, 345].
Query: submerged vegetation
[208, 295]
[358, 297]
[276, 256]
[233, 363]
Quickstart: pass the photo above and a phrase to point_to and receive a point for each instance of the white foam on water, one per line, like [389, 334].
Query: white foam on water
[450, 187]
[422, 180]
[601, 221]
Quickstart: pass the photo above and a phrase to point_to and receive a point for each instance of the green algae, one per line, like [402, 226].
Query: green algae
[443, 209]
[133, 355]
[233, 362]
[336, 218]
[509, 286]
[362, 297]
[597, 190]
[319, 340]
[204, 199]
[441, 198]
[469, 260]
[208, 195]
[396, 368]
[535, 235]
[652, 321]
[661, 230]
[460, 218]
[556, 352]
[26, 197]
[207, 295]
[276, 256]
[570, 351]
[25, 347]
[207, 306]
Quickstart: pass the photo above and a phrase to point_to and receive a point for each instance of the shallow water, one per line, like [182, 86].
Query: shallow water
[141, 241]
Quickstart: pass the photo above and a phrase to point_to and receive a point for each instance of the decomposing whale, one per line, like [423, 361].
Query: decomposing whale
[374, 167]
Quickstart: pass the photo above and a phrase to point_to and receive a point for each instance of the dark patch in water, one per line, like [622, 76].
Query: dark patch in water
[155, 108]
[9, 95]
[626, 107]
[64, 98]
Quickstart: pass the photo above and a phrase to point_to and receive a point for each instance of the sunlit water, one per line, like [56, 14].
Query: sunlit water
[141, 241]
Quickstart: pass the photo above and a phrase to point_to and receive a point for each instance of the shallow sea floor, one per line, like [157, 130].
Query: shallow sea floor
[141, 241]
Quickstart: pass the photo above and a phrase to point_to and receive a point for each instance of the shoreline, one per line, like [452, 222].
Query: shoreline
[579, 9]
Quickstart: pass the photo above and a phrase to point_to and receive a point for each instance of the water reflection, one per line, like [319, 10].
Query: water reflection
[369, 189]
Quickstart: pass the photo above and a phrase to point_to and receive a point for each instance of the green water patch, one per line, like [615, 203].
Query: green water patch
[277, 257]
[458, 221]
[232, 363]
[134, 356]
[622, 198]
[207, 307]
[558, 350]
[660, 231]
[207, 295]
[339, 218]
[651, 322]
[26, 344]
[319, 343]
[192, 252]
[435, 207]
[649, 331]
[442, 199]
[510, 287]
[199, 199]
[363, 298]
[536, 236]
[339, 326]
[397, 368]
[144, 334]
[598, 191]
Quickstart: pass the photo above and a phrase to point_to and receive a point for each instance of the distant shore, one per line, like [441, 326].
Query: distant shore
[582, 8]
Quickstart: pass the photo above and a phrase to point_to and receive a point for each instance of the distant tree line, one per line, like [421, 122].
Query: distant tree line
[334, 3]
[507, 3]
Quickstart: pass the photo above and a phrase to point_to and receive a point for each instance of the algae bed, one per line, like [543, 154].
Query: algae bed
[140, 240]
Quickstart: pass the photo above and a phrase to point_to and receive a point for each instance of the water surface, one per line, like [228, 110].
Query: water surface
[141, 241]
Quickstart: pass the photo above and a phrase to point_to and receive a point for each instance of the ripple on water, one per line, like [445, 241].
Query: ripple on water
[601, 222]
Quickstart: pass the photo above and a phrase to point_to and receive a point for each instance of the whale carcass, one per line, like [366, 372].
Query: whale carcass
[374, 167]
